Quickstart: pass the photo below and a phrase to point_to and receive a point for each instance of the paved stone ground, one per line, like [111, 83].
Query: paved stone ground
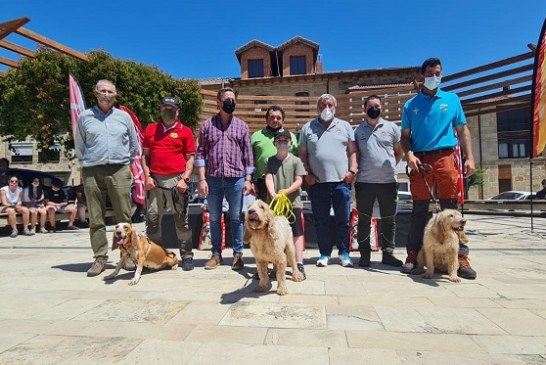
[51, 313]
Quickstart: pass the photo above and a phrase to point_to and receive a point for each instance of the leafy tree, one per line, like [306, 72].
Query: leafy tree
[34, 98]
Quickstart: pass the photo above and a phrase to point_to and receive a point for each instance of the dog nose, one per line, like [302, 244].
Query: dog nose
[251, 211]
[463, 221]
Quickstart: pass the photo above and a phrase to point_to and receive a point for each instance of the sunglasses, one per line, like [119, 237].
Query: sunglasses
[14, 182]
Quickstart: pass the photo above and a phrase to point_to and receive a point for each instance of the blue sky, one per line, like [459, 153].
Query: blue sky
[197, 39]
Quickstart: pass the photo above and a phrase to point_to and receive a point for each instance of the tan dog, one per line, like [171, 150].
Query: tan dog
[138, 248]
[270, 240]
[441, 244]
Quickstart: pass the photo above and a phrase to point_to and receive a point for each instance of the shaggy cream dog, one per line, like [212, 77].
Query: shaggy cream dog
[441, 244]
[270, 240]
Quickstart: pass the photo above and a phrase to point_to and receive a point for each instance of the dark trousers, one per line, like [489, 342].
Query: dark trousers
[386, 195]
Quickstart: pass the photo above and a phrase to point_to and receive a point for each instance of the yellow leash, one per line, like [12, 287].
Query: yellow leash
[283, 206]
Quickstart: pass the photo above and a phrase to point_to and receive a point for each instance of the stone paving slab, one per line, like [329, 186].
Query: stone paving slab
[51, 313]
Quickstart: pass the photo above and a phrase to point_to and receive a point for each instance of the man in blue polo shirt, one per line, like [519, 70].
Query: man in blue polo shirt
[428, 137]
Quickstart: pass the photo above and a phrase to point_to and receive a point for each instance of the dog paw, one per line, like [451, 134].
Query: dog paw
[174, 267]
[260, 288]
[454, 279]
[427, 275]
[133, 282]
[297, 277]
[281, 290]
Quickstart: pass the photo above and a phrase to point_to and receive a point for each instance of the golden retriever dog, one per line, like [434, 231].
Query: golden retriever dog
[441, 244]
[270, 240]
[138, 248]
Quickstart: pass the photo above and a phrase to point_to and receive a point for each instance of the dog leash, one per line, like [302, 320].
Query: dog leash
[283, 206]
[176, 196]
[424, 169]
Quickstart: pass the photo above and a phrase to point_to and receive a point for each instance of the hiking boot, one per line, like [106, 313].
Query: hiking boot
[390, 260]
[465, 271]
[98, 266]
[129, 265]
[271, 274]
[238, 263]
[364, 259]
[411, 260]
[345, 260]
[301, 269]
[187, 264]
[323, 261]
[214, 262]
[14, 233]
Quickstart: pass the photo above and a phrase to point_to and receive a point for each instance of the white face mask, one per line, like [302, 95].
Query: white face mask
[326, 115]
[432, 82]
[35, 184]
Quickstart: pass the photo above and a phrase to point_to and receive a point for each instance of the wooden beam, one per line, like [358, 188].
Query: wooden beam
[11, 26]
[2, 74]
[49, 43]
[488, 67]
[9, 63]
[17, 49]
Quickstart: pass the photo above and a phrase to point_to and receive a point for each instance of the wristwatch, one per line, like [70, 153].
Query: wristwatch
[187, 180]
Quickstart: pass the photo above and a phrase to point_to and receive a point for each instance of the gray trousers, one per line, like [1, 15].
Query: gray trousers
[161, 198]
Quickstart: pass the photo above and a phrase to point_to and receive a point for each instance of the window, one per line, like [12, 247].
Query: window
[514, 120]
[297, 65]
[21, 152]
[516, 148]
[256, 68]
[53, 154]
[302, 94]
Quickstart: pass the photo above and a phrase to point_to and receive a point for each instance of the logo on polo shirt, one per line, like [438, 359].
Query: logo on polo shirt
[443, 108]
[174, 135]
[416, 110]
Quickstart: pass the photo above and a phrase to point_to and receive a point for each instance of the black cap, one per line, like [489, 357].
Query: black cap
[169, 100]
[283, 133]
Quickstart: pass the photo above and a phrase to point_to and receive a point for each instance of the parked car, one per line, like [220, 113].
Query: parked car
[513, 195]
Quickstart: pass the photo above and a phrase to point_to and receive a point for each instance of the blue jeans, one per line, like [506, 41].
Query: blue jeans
[232, 189]
[323, 196]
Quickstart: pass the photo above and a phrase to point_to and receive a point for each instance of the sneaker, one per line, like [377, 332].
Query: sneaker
[28, 232]
[364, 259]
[301, 269]
[43, 230]
[271, 274]
[53, 230]
[238, 263]
[187, 264]
[214, 262]
[345, 260]
[129, 265]
[72, 228]
[14, 233]
[390, 260]
[465, 271]
[410, 262]
[98, 266]
[323, 261]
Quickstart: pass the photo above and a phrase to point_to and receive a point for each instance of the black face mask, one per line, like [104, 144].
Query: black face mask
[273, 129]
[229, 106]
[373, 112]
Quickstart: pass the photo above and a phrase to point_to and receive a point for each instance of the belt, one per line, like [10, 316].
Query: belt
[446, 151]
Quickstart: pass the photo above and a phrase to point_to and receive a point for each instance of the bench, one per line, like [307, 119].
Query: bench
[59, 217]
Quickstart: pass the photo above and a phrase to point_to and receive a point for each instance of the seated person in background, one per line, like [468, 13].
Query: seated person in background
[81, 206]
[56, 201]
[4, 171]
[33, 199]
[11, 197]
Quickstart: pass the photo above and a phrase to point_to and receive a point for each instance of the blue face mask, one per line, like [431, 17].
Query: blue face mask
[282, 146]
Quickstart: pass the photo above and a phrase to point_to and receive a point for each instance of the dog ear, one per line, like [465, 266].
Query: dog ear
[114, 241]
[438, 227]
[134, 236]
[269, 220]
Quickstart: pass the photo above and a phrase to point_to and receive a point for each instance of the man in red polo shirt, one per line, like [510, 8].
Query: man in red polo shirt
[167, 160]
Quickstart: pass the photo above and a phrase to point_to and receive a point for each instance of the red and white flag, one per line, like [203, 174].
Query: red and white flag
[460, 179]
[136, 166]
[77, 105]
